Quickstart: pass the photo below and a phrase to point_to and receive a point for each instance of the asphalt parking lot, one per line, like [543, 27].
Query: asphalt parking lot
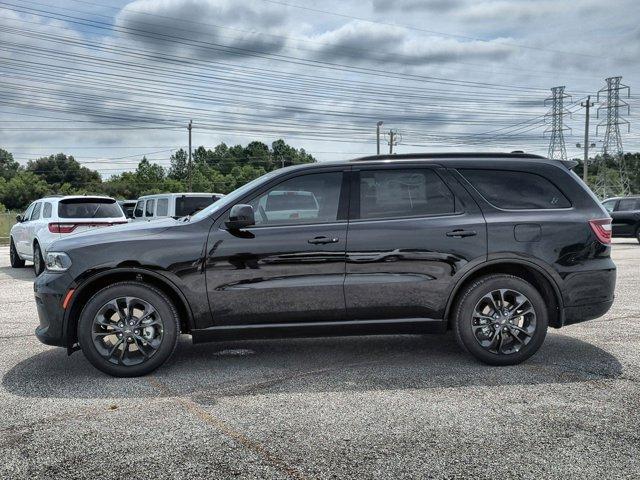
[362, 407]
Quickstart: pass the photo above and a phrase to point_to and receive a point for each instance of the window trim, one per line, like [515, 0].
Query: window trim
[467, 183]
[343, 202]
[354, 211]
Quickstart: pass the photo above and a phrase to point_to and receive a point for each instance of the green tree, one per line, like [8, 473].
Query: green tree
[178, 169]
[8, 166]
[22, 189]
[59, 169]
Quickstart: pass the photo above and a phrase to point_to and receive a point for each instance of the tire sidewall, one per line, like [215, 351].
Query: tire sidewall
[16, 261]
[37, 254]
[465, 308]
[157, 299]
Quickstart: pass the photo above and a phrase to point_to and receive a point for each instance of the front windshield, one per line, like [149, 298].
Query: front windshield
[233, 197]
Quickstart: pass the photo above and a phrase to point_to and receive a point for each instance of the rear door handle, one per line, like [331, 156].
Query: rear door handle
[322, 240]
[461, 233]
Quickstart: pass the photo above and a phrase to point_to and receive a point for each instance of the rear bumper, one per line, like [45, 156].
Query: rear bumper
[583, 313]
[49, 290]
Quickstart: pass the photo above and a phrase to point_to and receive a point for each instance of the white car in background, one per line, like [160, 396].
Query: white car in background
[51, 218]
[163, 205]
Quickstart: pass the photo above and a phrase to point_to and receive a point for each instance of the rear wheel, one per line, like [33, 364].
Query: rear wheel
[16, 261]
[638, 234]
[128, 329]
[500, 320]
[38, 261]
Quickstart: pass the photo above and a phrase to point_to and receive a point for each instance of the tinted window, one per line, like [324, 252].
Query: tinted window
[46, 211]
[35, 215]
[138, 212]
[89, 208]
[628, 204]
[516, 190]
[609, 205]
[190, 205]
[305, 199]
[148, 211]
[402, 193]
[162, 209]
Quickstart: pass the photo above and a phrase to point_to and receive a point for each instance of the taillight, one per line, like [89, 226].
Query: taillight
[62, 227]
[602, 228]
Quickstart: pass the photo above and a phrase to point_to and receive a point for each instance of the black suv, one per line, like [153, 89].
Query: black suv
[625, 212]
[496, 247]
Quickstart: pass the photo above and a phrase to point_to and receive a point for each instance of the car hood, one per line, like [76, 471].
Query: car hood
[112, 234]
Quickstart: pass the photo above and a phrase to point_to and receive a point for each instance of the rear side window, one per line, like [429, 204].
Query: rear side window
[402, 193]
[162, 209]
[516, 190]
[89, 208]
[190, 205]
[628, 204]
[36, 211]
[46, 211]
[148, 210]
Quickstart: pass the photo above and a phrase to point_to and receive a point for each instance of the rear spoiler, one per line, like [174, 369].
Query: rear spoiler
[570, 164]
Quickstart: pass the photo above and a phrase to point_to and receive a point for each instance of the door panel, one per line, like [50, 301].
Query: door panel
[273, 274]
[404, 267]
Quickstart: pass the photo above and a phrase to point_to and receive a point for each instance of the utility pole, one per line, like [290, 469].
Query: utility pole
[189, 165]
[585, 168]
[612, 143]
[378, 125]
[395, 138]
[557, 149]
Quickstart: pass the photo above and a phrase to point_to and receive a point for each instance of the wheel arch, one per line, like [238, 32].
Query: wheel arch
[100, 280]
[528, 271]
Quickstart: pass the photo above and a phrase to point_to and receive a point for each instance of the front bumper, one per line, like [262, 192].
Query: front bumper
[50, 289]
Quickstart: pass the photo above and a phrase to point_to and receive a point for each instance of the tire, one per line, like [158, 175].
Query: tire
[638, 234]
[96, 340]
[16, 261]
[38, 261]
[508, 339]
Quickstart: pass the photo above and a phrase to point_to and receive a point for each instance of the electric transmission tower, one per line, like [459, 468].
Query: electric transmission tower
[612, 183]
[555, 116]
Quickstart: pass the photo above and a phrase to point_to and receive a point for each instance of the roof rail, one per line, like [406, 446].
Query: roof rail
[444, 155]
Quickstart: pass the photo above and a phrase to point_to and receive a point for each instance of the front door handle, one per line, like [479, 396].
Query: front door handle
[322, 240]
[461, 233]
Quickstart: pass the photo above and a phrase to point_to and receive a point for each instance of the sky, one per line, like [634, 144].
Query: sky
[110, 81]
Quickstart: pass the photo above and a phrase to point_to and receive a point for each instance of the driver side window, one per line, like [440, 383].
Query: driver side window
[27, 212]
[312, 198]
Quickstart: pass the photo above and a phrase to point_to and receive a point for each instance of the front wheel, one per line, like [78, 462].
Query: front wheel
[16, 261]
[500, 319]
[128, 329]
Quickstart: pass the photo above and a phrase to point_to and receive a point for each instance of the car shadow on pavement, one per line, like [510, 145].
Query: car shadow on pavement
[206, 372]
[25, 273]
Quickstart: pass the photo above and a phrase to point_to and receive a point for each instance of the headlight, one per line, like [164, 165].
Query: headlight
[57, 261]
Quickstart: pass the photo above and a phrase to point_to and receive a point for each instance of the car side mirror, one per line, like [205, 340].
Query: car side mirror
[240, 216]
[19, 218]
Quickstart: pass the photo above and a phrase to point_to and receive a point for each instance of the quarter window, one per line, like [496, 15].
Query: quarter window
[310, 198]
[516, 190]
[402, 193]
[162, 209]
[46, 211]
[609, 206]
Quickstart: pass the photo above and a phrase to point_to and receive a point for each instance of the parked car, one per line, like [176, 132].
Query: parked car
[54, 217]
[495, 247]
[282, 205]
[128, 206]
[163, 205]
[625, 212]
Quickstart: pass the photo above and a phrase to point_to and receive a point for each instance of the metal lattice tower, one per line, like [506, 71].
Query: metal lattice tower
[612, 183]
[555, 117]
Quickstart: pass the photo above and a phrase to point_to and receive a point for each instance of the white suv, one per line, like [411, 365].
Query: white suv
[50, 218]
[162, 205]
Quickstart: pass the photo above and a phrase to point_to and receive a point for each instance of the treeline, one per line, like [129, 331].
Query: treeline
[221, 169]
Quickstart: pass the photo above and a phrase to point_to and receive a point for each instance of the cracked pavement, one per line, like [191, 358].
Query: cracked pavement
[354, 407]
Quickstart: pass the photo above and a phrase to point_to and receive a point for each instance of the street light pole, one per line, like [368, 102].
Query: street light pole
[378, 125]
